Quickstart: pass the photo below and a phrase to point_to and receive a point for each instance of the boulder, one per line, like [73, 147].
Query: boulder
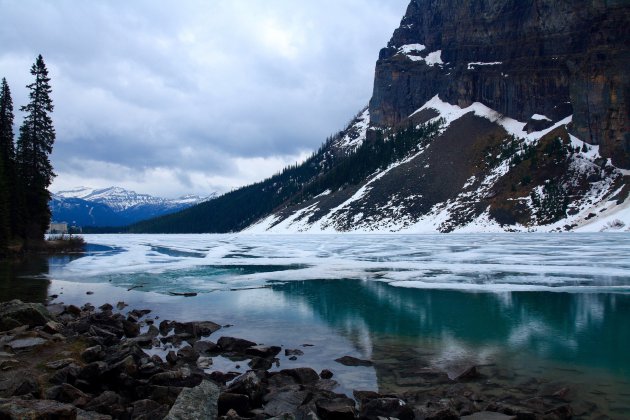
[131, 329]
[204, 362]
[188, 354]
[199, 402]
[260, 363]
[303, 375]
[92, 354]
[205, 347]
[16, 313]
[336, 409]
[325, 374]
[196, 328]
[488, 415]
[353, 361]
[263, 351]
[233, 344]
[285, 400]
[148, 409]
[26, 344]
[19, 385]
[248, 384]
[237, 402]
[66, 374]
[58, 364]
[15, 408]
[385, 407]
[165, 327]
[66, 393]
[107, 403]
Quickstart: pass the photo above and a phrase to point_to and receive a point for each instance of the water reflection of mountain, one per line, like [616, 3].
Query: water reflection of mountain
[574, 328]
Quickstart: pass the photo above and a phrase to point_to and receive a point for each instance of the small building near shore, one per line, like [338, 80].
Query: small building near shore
[58, 228]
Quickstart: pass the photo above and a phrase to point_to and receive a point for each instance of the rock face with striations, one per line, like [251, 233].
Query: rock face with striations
[518, 57]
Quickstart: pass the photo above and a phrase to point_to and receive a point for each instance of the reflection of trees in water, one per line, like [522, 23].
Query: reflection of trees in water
[24, 279]
[576, 328]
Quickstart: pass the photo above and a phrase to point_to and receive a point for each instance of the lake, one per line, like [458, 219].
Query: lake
[545, 309]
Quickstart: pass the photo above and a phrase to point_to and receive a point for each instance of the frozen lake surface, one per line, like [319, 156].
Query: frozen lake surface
[475, 262]
[548, 309]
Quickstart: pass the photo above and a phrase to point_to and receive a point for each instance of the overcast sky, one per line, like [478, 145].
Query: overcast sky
[171, 98]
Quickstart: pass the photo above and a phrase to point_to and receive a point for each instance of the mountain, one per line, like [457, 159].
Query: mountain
[113, 206]
[486, 115]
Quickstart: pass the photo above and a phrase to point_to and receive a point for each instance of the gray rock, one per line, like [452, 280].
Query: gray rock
[353, 361]
[26, 344]
[16, 313]
[15, 408]
[488, 415]
[234, 344]
[248, 384]
[196, 328]
[200, 402]
[107, 403]
[285, 400]
[188, 354]
[205, 347]
[238, 402]
[263, 351]
[66, 393]
[204, 362]
[58, 364]
[148, 409]
[337, 408]
[385, 407]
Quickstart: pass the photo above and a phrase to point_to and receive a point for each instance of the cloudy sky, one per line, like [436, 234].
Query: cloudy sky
[171, 98]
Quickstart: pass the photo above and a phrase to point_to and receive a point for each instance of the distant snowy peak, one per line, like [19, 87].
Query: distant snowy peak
[120, 199]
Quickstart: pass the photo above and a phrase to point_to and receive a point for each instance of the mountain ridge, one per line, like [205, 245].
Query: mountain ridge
[515, 149]
[113, 206]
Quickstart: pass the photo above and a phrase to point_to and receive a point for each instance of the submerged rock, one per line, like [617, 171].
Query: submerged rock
[353, 361]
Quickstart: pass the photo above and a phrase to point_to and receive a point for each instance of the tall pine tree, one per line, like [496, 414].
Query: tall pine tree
[34, 145]
[7, 163]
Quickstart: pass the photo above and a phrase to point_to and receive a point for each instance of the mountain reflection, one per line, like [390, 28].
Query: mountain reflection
[576, 328]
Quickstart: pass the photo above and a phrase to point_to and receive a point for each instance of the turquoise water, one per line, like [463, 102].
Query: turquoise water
[543, 314]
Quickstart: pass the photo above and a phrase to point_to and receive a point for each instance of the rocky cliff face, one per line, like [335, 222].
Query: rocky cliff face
[486, 116]
[519, 57]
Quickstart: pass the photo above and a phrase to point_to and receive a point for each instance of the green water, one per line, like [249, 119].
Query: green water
[552, 339]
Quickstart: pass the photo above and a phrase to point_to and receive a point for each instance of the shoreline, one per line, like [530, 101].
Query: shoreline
[111, 365]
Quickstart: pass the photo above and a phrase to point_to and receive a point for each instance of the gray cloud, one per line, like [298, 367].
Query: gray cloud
[190, 96]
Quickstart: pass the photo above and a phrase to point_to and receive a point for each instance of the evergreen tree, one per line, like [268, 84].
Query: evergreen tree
[7, 164]
[5, 220]
[34, 146]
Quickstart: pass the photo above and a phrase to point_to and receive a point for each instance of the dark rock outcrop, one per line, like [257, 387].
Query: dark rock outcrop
[16, 313]
[520, 58]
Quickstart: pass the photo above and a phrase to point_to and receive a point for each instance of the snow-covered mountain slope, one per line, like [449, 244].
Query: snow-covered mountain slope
[114, 206]
[486, 115]
[483, 172]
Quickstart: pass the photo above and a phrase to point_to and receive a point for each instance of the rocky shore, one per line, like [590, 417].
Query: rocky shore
[67, 362]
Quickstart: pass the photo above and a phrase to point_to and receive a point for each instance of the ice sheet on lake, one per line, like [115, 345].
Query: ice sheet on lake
[590, 262]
